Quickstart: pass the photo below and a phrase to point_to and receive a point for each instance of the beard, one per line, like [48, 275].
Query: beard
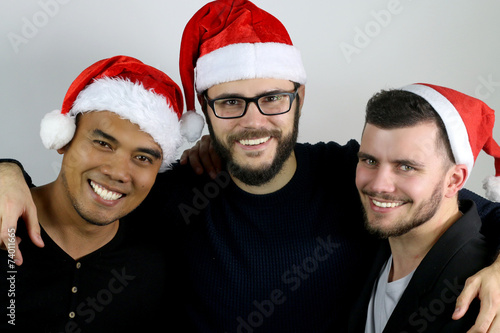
[264, 174]
[424, 212]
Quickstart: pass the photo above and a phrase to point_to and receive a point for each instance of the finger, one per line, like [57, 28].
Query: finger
[216, 160]
[18, 257]
[487, 313]
[495, 325]
[184, 157]
[482, 323]
[11, 245]
[470, 291]
[194, 159]
[30, 216]
[206, 159]
[205, 156]
[4, 238]
[7, 230]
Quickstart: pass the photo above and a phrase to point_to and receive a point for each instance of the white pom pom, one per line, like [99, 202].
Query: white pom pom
[191, 125]
[492, 186]
[56, 129]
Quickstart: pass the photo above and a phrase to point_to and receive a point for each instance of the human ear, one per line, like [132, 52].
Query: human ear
[456, 178]
[63, 150]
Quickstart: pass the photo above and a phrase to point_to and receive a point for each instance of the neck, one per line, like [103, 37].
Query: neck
[64, 225]
[279, 181]
[410, 249]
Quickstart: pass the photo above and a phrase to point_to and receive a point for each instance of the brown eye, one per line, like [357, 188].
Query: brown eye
[103, 144]
[145, 159]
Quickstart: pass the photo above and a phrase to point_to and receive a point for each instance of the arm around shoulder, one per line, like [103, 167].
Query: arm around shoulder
[16, 202]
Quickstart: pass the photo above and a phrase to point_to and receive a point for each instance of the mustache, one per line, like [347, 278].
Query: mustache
[255, 133]
[384, 196]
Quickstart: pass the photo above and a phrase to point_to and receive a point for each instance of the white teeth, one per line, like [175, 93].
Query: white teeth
[103, 193]
[386, 204]
[254, 142]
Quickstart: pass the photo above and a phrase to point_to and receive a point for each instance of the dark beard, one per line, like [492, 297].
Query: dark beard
[258, 177]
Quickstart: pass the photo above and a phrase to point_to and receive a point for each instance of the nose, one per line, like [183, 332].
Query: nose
[117, 168]
[382, 181]
[253, 118]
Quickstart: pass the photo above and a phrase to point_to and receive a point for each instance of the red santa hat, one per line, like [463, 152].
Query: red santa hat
[133, 90]
[469, 124]
[229, 40]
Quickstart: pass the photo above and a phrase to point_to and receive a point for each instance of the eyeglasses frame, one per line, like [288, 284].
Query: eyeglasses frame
[248, 100]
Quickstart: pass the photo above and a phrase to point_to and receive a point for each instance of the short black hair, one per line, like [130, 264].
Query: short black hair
[395, 108]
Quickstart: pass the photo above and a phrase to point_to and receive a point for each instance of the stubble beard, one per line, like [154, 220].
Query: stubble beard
[86, 215]
[424, 212]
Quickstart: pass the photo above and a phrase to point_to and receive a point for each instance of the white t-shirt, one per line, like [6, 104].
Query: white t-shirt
[385, 297]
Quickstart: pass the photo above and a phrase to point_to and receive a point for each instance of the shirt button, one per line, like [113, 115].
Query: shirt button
[74, 290]
[72, 315]
[78, 265]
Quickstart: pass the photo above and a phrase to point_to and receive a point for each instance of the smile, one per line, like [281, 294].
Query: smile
[386, 204]
[104, 193]
[254, 142]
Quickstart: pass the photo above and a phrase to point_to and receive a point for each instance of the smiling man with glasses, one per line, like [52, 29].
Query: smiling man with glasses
[255, 135]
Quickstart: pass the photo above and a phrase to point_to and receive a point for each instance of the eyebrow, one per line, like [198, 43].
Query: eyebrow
[265, 93]
[365, 155]
[155, 153]
[98, 132]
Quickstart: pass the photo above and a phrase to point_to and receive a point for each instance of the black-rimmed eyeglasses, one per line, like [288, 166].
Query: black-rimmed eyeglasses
[236, 107]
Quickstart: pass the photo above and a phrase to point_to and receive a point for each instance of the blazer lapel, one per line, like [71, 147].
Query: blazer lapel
[357, 319]
[429, 272]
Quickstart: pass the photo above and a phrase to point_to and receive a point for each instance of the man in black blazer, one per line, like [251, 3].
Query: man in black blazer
[418, 148]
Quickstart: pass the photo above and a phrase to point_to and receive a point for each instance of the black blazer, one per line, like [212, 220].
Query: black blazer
[428, 302]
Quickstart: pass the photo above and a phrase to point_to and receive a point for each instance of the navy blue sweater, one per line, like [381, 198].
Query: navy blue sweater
[289, 261]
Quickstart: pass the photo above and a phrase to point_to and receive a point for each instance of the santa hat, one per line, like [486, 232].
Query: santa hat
[133, 90]
[469, 124]
[229, 40]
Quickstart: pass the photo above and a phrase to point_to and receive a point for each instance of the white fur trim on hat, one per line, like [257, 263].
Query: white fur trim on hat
[142, 107]
[492, 186]
[130, 101]
[57, 129]
[455, 127]
[192, 124]
[249, 61]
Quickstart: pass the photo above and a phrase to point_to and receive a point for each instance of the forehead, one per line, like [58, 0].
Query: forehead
[112, 124]
[250, 87]
[416, 143]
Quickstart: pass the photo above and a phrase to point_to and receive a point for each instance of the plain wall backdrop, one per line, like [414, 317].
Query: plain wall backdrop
[351, 49]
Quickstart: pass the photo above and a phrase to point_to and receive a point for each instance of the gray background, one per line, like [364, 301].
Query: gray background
[350, 49]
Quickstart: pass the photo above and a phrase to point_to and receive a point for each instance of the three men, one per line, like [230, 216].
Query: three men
[275, 243]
